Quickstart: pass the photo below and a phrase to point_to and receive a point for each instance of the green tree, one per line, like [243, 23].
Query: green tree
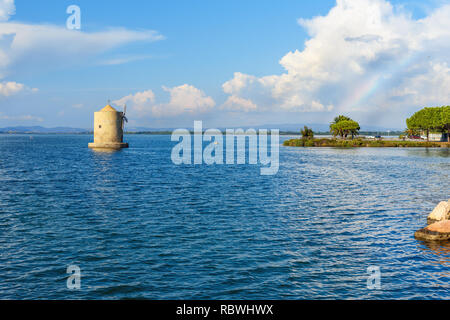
[344, 126]
[307, 133]
[429, 119]
[339, 118]
[445, 120]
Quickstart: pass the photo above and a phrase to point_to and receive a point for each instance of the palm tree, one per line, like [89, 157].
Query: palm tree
[410, 132]
[336, 130]
[340, 118]
[343, 126]
[307, 133]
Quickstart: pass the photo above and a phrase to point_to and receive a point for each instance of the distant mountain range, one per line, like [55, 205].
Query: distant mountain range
[38, 129]
[282, 127]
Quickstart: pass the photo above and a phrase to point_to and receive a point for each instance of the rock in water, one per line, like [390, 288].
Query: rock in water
[438, 231]
[440, 213]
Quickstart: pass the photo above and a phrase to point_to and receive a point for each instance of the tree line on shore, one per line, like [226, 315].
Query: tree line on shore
[429, 119]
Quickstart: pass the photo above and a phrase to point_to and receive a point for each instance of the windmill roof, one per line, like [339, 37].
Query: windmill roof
[108, 108]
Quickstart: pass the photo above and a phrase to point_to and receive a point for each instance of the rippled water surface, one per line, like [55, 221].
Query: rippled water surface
[140, 227]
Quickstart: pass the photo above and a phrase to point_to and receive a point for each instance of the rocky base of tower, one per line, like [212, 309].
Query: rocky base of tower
[109, 145]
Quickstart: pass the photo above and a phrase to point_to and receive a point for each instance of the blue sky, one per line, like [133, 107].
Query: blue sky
[229, 63]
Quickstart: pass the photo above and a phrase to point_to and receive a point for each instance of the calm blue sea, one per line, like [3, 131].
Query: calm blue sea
[140, 227]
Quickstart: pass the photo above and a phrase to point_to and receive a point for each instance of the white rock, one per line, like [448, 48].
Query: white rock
[441, 212]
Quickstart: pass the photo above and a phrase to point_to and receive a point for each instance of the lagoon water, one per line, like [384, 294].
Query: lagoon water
[140, 227]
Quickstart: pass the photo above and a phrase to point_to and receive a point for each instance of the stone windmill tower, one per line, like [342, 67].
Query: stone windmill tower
[108, 129]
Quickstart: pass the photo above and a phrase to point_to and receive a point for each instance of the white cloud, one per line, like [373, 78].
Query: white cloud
[39, 47]
[235, 103]
[364, 54]
[27, 117]
[141, 102]
[12, 88]
[256, 92]
[239, 82]
[184, 99]
[7, 9]
[125, 59]
[435, 82]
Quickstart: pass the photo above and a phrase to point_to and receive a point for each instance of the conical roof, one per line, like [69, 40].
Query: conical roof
[108, 108]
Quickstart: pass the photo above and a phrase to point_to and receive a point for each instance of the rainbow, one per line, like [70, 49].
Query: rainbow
[372, 84]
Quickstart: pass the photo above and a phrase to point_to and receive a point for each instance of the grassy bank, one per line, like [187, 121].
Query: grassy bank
[360, 143]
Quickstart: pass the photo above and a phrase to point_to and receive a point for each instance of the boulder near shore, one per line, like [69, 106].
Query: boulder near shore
[439, 224]
[441, 212]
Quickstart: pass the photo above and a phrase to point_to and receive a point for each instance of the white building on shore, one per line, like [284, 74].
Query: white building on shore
[436, 137]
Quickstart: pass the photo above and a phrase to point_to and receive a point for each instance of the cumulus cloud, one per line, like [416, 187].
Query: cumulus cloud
[184, 99]
[364, 54]
[235, 103]
[434, 81]
[12, 88]
[249, 92]
[7, 9]
[141, 102]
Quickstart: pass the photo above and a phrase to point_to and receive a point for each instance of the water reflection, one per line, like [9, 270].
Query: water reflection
[438, 248]
[105, 150]
[429, 152]
[437, 253]
[104, 167]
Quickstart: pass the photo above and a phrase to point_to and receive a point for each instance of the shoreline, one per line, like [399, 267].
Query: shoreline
[362, 143]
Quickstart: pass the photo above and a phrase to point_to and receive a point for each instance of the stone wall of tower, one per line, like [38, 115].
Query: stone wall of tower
[108, 127]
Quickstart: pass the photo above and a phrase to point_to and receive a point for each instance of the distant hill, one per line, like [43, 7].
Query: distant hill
[146, 129]
[317, 127]
[282, 127]
[38, 129]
